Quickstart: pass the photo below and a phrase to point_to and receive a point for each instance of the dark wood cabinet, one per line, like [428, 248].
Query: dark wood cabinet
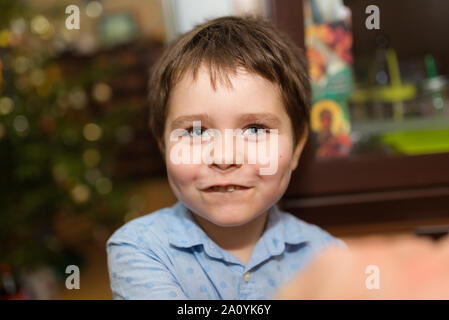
[358, 195]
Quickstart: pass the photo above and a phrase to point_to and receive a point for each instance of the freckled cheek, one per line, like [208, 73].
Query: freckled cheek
[281, 158]
[285, 155]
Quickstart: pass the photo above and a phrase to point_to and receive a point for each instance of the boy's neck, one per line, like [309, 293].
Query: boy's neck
[239, 240]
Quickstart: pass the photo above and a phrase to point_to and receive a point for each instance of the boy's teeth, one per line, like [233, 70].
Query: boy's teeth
[226, 189]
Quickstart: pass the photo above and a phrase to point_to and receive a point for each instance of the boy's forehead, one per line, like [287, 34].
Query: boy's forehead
[242, 98]
[214, 77]
[251, 97]
[236, 85]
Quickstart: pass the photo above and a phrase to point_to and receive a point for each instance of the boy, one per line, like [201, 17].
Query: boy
[225, 238]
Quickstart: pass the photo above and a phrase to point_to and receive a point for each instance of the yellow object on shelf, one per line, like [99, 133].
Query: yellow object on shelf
[418, 142]
[395, 93]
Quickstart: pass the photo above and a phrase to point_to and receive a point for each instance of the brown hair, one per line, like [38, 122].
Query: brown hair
[223, 45]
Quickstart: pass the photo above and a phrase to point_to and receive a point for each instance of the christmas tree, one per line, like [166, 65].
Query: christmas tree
[61, 137]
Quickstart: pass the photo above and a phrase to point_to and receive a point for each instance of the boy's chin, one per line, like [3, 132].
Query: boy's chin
[230, 218]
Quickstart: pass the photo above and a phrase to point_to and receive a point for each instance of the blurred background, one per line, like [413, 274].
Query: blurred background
[77, 159]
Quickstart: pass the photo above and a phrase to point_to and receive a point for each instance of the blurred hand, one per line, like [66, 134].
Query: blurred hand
[406, 267]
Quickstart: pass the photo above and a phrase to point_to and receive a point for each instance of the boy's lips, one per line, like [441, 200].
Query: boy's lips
[229, 192]
[229, 187]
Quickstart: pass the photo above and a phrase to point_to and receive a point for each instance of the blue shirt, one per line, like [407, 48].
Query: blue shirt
[166, 255]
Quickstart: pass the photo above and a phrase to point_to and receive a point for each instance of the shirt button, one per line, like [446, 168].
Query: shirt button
[211, 245]
[247, 276]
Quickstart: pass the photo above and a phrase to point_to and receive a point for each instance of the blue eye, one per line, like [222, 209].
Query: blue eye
[255, 129]
[197, 131]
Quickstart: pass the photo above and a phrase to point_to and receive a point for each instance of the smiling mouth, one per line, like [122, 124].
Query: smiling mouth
[226, 189]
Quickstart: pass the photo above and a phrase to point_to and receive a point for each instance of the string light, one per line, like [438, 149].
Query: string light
[20, 123]
[41, 26]
[60, 172]
[92, 175]
[102, 92]
[77, 98]
[94, 9]
[21, 64]
[104, 185]
[37, 77]
[92, 132]
[80, 193]
[6, 105]
[91, 157]
[18, 25]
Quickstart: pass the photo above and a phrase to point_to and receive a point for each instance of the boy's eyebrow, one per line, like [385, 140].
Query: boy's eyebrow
[264, 116]
[187, 120]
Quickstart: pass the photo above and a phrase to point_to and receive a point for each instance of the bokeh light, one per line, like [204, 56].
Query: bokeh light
[92, 132]
[21, 124]
[92, 175]
[21, 64]
[6, 105]
[80, 193]
[102, 92]
[77, 98]
[94, 9]
[41, 26]
[91, 157]
[103, 185]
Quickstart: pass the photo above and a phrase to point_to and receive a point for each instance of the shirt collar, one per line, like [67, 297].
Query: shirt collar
[188, 234]
[277, 232]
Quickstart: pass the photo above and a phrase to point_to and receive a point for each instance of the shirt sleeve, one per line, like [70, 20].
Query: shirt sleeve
[329, 241]
[322, 240]
[137, 273]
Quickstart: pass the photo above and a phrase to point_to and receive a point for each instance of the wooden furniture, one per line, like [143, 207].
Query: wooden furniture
[356, 196]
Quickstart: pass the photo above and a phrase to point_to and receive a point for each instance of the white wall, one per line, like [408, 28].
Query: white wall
[182, 15]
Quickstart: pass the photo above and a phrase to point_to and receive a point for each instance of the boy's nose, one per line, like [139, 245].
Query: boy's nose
[226, 166]
[229, 157]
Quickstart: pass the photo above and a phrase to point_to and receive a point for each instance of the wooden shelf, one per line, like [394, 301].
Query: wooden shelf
[371, 193]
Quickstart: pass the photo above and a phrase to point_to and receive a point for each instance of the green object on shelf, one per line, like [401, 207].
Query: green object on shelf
[418, 142]
[435, 83]
[430, 66]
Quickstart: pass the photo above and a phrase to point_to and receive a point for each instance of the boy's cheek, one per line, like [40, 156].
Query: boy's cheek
[277, 163]
[183, 173]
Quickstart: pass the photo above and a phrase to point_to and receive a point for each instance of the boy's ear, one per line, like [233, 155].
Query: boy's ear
[160, 144]
[298, 149]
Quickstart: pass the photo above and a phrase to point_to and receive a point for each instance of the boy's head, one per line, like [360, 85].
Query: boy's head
[234, 74]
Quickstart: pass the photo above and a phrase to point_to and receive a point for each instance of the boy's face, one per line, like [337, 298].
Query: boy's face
[252, 99]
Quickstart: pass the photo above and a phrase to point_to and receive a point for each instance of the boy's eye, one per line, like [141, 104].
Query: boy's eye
[254, 129]
[197, 131]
